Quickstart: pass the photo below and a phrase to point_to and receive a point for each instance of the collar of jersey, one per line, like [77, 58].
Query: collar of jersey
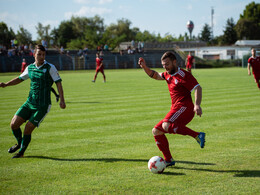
[176, 72]
[38, 67]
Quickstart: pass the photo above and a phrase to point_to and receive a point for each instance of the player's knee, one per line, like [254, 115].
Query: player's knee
[14, 124]
[165, 126]
[29, 127]
[157, 132]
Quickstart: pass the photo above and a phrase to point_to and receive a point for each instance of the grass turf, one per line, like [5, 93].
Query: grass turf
[102, 141]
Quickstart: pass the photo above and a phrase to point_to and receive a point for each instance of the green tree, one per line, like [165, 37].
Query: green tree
[6, 35]
[230, 35]
[120, 32]
[43, 32]
[23, 36]
[205, 34]
[248, 26]
[65, 33]
[246, 29]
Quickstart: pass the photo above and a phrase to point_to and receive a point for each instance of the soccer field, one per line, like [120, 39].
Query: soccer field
[102, 141]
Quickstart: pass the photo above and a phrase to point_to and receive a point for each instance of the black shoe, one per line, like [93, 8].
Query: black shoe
[18, 155]
[14, 148]
[57, 98]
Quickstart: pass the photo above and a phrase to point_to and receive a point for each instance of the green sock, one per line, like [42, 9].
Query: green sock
[25, 142]
[18, 135]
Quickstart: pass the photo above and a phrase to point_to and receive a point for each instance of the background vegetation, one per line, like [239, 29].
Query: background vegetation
[81, 32]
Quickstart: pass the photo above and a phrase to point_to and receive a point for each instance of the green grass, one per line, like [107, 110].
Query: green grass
[102, 141]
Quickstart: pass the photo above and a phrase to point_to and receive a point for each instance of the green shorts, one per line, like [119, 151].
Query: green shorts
[34, 114]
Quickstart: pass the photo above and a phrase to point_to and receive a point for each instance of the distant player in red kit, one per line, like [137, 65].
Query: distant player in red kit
[180, 83]
[99, 67]
[24, 64]
[189, 62]
[254, 62]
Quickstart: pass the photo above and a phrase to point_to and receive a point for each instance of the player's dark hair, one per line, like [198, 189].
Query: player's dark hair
[170, 55]
[40, 47]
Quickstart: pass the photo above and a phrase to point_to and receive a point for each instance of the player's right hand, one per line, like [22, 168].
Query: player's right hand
[3, 85]
[141, 62]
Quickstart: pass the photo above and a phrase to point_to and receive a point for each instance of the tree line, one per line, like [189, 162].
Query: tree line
[79, 32]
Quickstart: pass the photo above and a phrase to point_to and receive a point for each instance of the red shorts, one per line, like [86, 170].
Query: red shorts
[188, 66]
[257, 77]
[178, 115]
[100, 70]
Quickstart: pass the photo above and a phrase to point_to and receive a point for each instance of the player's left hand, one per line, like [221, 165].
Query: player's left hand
[198, 110]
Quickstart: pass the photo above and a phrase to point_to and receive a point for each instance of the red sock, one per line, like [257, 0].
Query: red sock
[258, 85]
[183, 130]
[163, 146]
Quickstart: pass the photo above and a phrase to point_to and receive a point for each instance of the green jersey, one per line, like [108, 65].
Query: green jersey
[42, 78]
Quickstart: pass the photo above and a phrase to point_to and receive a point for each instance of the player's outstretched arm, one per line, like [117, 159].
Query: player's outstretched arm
[198, 98]
[14, 81]
[151, 73]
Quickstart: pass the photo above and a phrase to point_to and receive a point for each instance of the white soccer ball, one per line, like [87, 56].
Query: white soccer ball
[156, 164]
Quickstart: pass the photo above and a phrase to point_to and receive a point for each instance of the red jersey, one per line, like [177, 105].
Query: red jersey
[190, 60]
[180, 85]
[255, 63]
[98, 62]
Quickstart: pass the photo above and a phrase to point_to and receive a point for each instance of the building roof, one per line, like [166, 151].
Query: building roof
[247, 43]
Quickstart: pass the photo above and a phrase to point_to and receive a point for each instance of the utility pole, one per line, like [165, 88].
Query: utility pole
[212, 13]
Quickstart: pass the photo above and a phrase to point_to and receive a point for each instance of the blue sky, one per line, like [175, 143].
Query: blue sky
[156, 16]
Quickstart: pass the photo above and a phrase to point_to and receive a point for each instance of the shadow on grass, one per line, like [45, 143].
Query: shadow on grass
[238, 173]
[69, 102]
[110, 160]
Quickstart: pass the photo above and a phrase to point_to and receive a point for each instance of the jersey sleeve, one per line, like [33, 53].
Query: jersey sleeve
[54, 74]
[162, 74]
[189, 82]
[249, 60]
[24, 75]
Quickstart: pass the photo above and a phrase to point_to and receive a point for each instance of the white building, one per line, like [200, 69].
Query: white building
[240, 49]
[219, 53]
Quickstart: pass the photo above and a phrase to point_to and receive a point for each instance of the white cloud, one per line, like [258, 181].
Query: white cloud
[189, 7]
[88, 11]
[83, 1]
[100, 2]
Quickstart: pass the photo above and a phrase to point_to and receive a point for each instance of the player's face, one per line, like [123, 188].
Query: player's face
[39, 57]
[253, 52]
[169, 65]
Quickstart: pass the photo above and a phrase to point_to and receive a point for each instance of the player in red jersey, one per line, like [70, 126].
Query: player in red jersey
[189, 62]
[99, 67]
[24, 64]
[180, 83]
[254, 62]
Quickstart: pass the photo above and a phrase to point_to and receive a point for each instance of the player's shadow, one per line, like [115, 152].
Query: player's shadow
[237, 173]
[110, 160]
[82, 102]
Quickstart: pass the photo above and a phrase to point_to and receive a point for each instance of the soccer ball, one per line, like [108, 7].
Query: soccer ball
[156, 164]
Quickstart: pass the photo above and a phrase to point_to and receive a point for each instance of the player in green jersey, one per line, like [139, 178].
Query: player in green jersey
[42, 75]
